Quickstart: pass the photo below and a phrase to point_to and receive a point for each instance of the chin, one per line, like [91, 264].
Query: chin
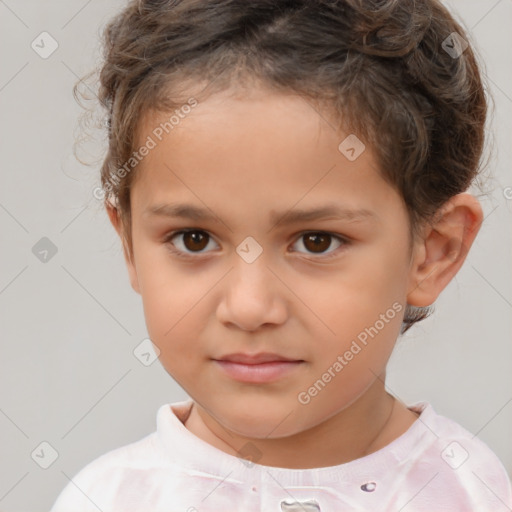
[262, 424]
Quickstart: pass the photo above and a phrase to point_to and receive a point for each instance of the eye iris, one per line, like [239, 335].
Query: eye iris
[196, 237]
[315, 242]
[320, 241]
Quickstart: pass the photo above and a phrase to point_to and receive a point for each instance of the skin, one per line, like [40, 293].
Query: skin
[243, 156]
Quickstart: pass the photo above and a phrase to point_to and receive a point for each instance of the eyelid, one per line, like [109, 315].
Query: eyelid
[187, 255]
[322, 256]
[297, 237]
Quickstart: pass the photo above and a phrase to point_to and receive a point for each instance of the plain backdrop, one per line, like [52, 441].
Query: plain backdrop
[69, 325]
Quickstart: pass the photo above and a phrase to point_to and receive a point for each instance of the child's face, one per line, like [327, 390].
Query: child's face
[246, 161]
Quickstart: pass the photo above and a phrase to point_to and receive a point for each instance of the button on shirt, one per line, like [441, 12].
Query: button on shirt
[435, 466]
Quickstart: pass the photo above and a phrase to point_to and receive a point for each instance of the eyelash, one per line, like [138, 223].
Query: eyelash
[189, 256]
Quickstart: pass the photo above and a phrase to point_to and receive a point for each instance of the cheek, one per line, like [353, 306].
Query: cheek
[174, 327]
[358, 314]
[348, 300]
[175, 303]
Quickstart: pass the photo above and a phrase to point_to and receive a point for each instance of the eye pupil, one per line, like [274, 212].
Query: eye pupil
[196, 241]
[320, 241]
[196, 237]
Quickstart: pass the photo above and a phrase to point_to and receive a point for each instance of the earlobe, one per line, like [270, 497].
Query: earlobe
[443, 248]
[115, 220]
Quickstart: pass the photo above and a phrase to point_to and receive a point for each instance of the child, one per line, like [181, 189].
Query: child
[318, 153]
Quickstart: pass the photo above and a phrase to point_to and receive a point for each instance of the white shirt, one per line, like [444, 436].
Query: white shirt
[435, 466]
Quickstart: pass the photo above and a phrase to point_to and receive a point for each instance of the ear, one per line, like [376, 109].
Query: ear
[443, 248]
[114, 217]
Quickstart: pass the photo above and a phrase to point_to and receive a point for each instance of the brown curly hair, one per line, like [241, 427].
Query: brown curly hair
[381, 69]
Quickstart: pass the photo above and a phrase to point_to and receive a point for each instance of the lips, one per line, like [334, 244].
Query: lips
[250, 359]
[258, 368]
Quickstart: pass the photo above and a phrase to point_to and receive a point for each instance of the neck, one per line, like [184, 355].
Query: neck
[365, 426]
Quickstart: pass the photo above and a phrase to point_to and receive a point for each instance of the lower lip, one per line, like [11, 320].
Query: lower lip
[259, 373]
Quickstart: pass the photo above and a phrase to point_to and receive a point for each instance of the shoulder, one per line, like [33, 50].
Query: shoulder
[96, 484]
[92, 485]
[456, 467]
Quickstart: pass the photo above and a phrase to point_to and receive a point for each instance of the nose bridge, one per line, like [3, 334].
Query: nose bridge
[251, 295]
[250, 274]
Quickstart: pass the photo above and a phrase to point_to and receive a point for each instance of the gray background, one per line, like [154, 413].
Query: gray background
[69, 326]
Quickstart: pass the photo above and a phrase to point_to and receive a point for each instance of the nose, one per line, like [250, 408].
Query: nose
[252, 296]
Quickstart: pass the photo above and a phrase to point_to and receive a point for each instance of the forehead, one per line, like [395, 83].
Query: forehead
[260, 150]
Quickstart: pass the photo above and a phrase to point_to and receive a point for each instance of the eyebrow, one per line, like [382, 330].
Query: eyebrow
[328, 211]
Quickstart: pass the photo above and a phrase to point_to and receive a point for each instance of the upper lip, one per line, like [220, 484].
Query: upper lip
[262, 357]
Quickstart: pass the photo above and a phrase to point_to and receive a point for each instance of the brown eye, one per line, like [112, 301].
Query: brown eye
[195, 240]
[318, 242]
[189, 242]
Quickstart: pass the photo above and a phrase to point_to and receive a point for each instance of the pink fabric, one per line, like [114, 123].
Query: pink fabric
[435, 466]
